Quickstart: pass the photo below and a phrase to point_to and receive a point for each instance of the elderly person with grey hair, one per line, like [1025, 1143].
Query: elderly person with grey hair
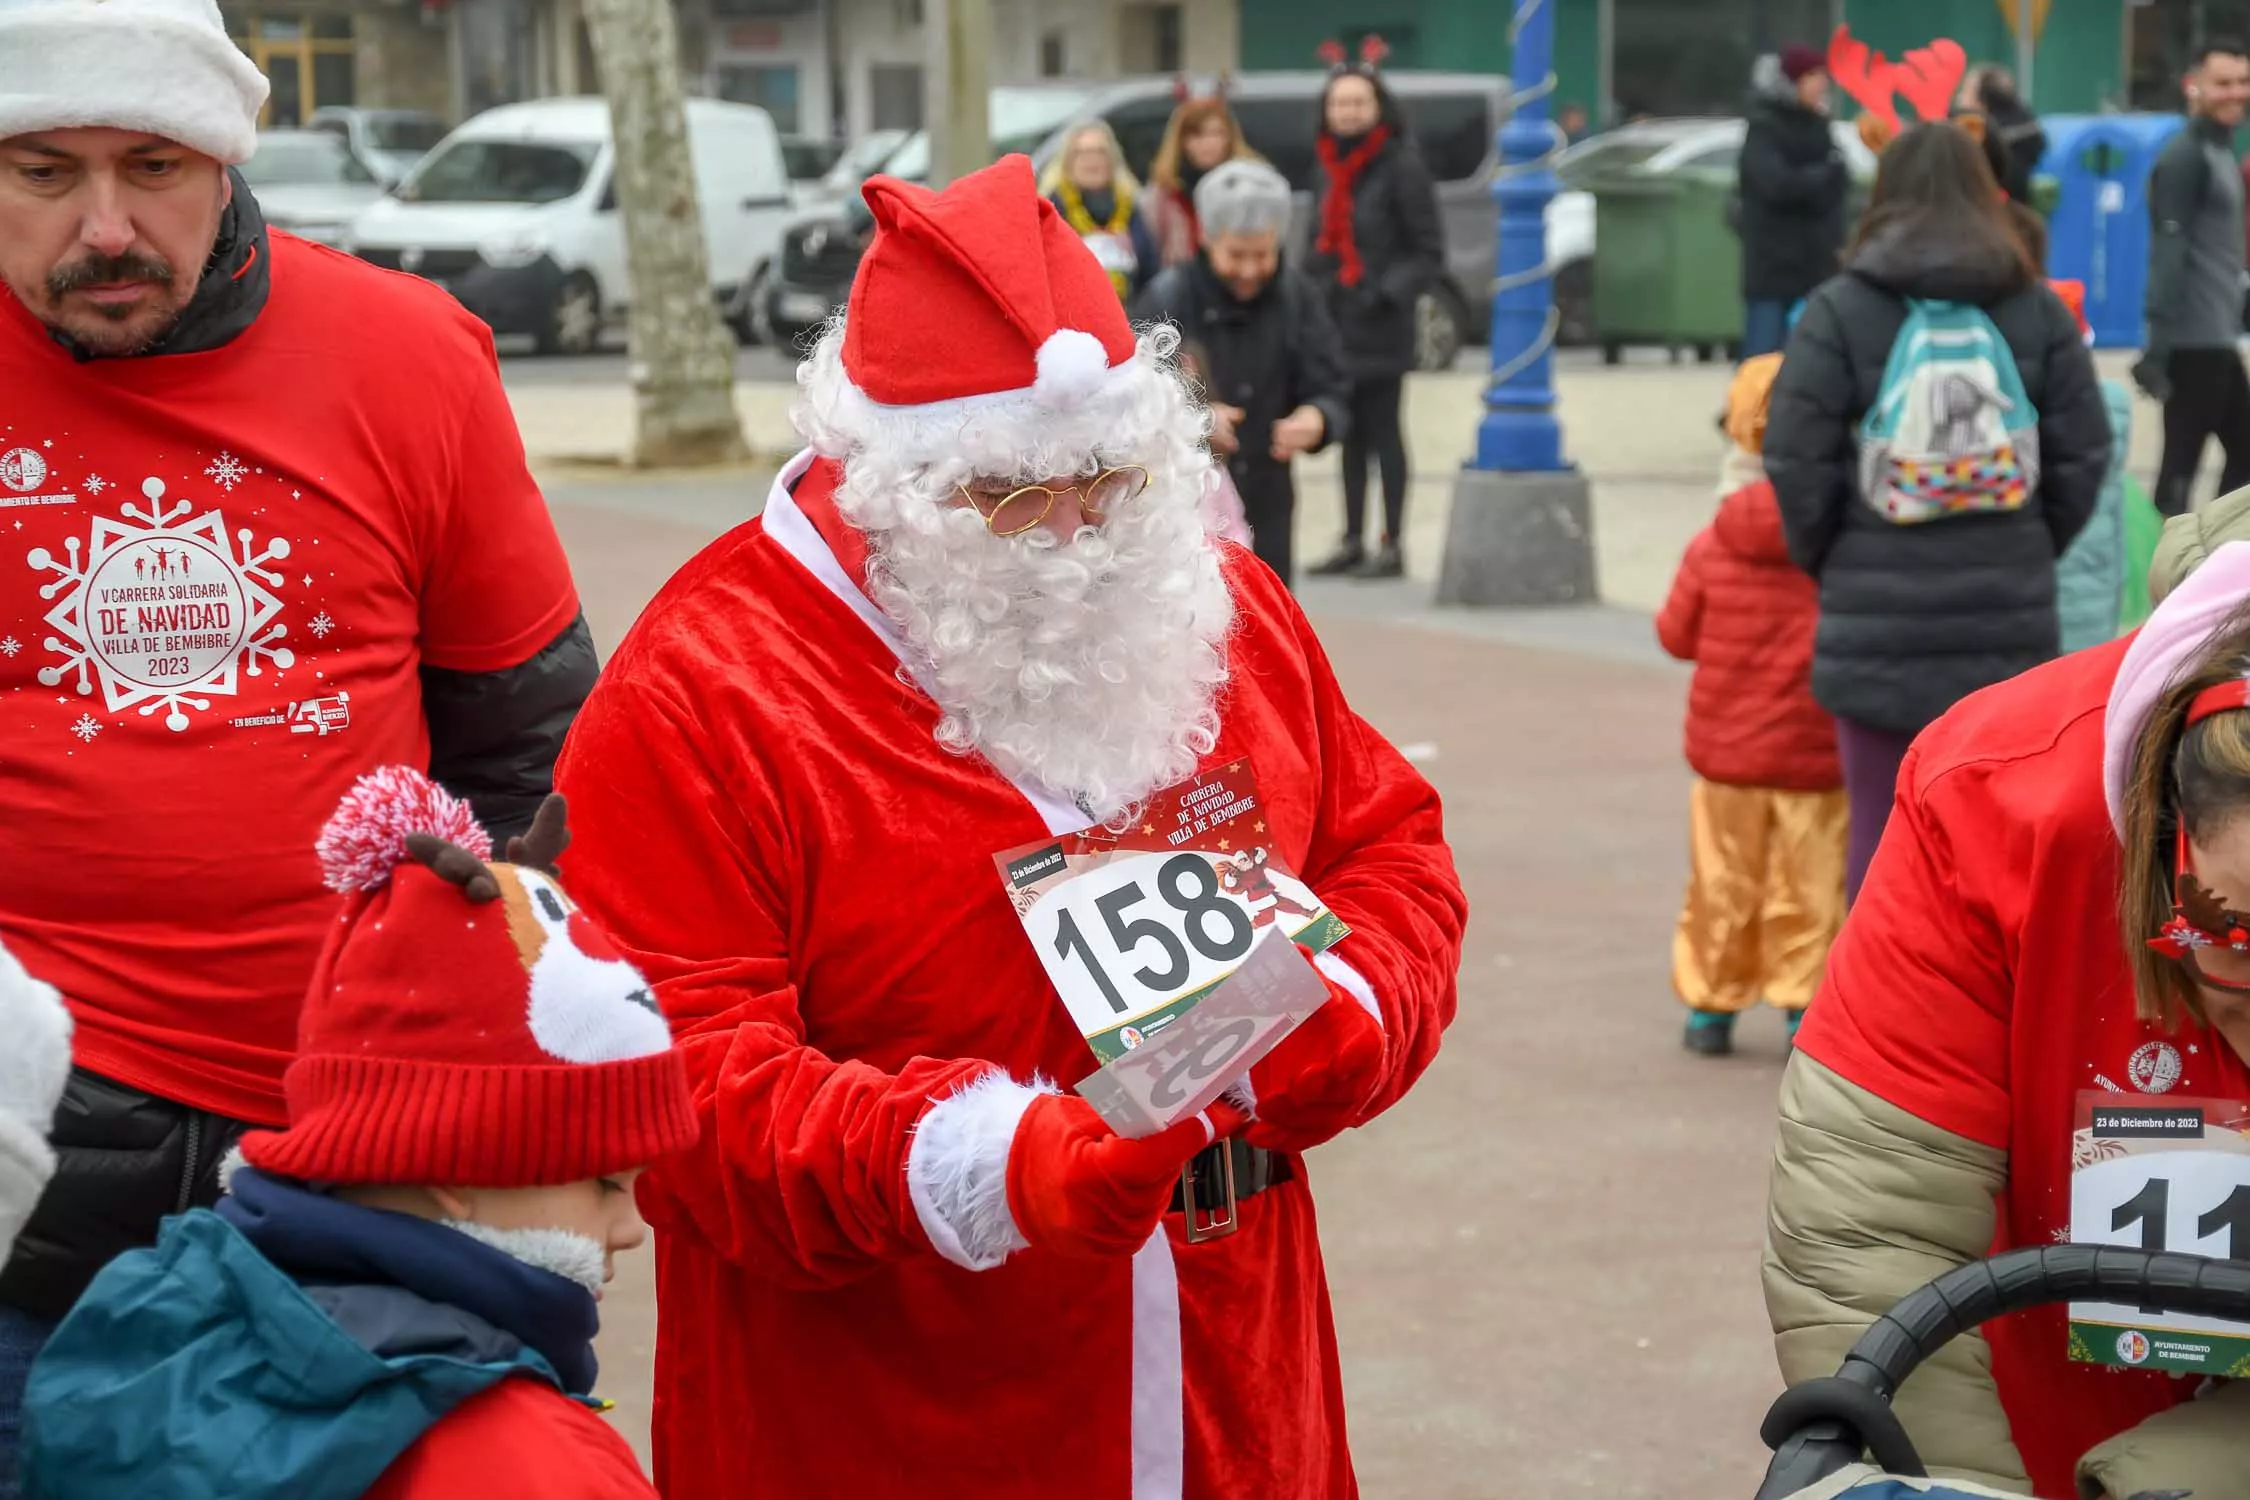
[1257, 335]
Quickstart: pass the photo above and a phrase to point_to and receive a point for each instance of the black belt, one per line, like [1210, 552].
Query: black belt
[1220, 1176]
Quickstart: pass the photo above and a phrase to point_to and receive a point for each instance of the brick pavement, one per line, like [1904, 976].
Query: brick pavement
[1544, 1262]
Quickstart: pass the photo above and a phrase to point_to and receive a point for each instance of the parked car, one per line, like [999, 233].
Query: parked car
[515, 213]
[820, 247]
[388, 141]
[309, 183]
[1453, 117]
[861, 160]
[1651, 148]
[809, 160]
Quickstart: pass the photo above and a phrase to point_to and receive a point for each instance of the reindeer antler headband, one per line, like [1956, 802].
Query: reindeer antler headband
[1372, 50]
[1927, 77]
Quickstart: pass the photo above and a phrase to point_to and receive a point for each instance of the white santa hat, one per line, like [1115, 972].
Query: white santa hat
[165, 67]
[976, 304]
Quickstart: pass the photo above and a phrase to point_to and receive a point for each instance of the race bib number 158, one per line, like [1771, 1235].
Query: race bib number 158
[1136, 925]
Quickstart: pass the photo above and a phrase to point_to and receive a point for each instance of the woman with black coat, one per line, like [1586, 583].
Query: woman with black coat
[1379, 245]
[1915, 617]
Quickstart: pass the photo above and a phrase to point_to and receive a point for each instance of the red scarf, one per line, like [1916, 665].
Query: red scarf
[1336, 213]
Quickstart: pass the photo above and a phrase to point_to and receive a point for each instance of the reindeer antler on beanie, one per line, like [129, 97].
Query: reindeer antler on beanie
[541, 847]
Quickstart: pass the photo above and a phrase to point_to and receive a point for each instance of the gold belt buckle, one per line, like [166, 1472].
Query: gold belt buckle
[1224, 1221]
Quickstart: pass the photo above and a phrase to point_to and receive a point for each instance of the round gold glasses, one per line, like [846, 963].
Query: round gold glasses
[1017, 509]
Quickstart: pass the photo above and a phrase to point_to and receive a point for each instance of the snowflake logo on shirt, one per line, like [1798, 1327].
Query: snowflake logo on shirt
[226, 471]
[86, 728]
[163, 611]
[95, 484]
[10, 646]
[320, 625]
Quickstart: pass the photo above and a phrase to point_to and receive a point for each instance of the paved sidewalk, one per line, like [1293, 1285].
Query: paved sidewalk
[1645, 433]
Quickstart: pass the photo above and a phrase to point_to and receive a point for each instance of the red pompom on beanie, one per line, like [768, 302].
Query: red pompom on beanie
[467, 1025]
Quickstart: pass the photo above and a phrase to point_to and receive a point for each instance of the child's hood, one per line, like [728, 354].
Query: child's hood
[198, 1368]
[1749, 524]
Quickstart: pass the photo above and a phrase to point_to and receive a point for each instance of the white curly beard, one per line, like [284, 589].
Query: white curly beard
[1091, 666]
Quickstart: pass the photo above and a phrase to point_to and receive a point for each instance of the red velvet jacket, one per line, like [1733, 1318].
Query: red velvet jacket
[520, 1440]
[1744, 614]
[762, 815]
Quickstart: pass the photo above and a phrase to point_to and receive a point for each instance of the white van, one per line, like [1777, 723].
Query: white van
[515, 213]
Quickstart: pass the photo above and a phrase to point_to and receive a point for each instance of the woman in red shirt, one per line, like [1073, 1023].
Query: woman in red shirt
[1984, 981]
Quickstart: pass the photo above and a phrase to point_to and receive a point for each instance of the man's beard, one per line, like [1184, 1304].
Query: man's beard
[116, 331]
[1090, 666]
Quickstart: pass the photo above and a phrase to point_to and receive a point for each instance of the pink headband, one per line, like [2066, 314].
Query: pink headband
[2179, 629]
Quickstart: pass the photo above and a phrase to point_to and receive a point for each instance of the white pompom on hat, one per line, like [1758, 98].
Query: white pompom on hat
[166, 67]
[974, 302]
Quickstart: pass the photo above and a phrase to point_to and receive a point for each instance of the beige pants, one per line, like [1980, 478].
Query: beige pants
[1765, 896]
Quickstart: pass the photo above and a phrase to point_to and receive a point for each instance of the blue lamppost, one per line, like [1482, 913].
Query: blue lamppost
[1519, 430]
[1521, 529]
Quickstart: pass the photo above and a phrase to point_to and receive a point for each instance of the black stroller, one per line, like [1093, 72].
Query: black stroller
[1822, 1427]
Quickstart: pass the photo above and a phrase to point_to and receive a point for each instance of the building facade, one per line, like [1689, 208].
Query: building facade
[844, 67]
[1625, 57]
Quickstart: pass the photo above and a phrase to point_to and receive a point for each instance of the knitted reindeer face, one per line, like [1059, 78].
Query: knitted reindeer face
[588, 1004]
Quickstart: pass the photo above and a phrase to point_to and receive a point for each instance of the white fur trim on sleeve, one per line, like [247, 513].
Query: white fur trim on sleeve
[957, 1169]
[1354, 982]
[26, 1162]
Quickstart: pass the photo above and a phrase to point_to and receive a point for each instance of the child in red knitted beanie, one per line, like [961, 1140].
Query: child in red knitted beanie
[397, 1296]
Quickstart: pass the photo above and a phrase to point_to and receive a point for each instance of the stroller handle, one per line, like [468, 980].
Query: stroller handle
[1822, 1426]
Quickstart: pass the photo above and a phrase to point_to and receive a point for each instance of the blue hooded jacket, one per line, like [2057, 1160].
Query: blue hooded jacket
[202, 1368]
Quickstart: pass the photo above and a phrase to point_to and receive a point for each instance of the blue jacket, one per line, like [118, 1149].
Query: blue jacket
[2090, 575]
[200, 1368]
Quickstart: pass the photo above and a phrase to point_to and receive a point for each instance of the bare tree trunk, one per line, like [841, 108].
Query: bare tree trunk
[682, 355]
[960, 40]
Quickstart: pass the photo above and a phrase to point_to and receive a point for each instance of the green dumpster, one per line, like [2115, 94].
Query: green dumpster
[1667, 268]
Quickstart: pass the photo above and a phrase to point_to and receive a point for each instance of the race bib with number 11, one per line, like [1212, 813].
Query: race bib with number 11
[2160, 1173]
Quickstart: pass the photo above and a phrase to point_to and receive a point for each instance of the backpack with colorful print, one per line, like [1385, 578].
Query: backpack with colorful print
[1951, 431]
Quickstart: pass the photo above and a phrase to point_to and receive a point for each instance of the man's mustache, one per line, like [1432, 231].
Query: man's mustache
[109, 270]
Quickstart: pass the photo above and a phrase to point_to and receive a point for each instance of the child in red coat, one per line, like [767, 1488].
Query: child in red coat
[1767, 813]
[396, 1299]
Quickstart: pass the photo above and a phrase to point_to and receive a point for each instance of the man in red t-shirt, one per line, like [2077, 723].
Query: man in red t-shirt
[265, 523]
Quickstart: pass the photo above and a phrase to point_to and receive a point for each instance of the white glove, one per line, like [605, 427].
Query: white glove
[34, 1066]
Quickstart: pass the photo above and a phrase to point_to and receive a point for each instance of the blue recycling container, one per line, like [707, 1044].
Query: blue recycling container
[2099, 230]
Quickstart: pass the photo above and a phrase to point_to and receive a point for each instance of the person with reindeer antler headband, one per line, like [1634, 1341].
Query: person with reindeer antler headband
[397, 1297]
[1202, 133]
[1379, 245]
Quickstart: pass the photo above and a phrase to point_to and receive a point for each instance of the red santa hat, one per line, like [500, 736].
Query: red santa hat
[978, 300]
[467, 1025]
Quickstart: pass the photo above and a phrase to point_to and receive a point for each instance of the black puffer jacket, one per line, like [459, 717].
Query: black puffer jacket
[1915, 617]
[124, 1160]
[1402, 254]
[1267, 356]
[1792, 190]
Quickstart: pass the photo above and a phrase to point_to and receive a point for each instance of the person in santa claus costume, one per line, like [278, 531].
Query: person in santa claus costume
[981, 610]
